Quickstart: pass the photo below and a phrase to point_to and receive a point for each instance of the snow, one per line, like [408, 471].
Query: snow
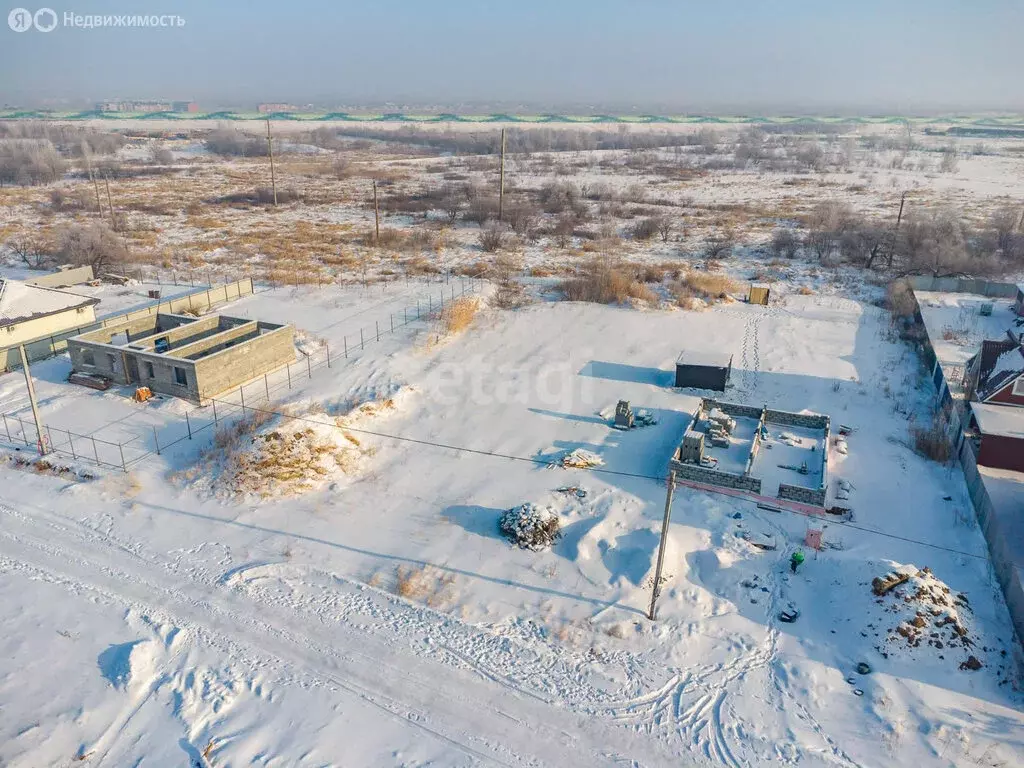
[388, 622]
[792, 447]
[19, 301]
[1001, 420]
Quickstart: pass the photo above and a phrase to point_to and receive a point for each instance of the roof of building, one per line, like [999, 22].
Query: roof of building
[1001, 363]
[20, 302]
[999, 420]
[705, 359]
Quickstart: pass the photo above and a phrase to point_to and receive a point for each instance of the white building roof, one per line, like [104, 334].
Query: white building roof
[705, 359]
[19, 302]
[999, 420]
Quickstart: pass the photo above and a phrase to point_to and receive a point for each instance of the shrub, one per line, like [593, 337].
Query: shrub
[602, 284]
[932, 441]
[785, 243]
[457, 315]
[96, 245]
[492, 238]
[531, 527]
[29, 162]
[645, 229]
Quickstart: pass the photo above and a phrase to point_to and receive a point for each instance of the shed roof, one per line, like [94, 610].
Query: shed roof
[999, 420]
[704, 359]
[1001, 363]
[20, 302]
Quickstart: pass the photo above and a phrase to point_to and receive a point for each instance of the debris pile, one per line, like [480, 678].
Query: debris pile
[928, 613]
[718, 427]
[581, 458]
[531, 527]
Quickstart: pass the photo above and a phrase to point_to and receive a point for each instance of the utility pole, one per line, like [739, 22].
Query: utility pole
[376, 215]
[41, 442]
[652, 614]
[92, 177]
[270, 151]
[113, 223]
[501, 180]
[896, 229]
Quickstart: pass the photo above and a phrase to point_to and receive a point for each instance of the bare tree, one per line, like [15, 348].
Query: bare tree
[33, 252]
[665, 228]
[825, 226]
[720, 245]
[96, 245]
[160, 155]
[492, 238]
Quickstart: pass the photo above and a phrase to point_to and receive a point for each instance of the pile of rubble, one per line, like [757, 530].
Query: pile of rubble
[718, 427]
[928, 613]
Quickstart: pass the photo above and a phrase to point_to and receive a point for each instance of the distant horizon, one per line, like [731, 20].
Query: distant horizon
[916, 57]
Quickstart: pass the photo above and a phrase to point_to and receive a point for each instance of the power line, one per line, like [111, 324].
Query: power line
[557, 464]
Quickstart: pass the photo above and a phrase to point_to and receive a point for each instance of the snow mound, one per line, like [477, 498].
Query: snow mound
[292, 454]
[581, 458]
[530, 526]
[922, 612]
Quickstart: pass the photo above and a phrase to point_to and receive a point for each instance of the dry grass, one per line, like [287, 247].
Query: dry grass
[605, 284]
[805, 290]
[695, 289]
[425, 584]
[458, 315]
[931, 441]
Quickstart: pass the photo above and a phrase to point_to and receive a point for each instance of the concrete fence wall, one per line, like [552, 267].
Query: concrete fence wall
[733, 409]
[65, 277]
[993, 289]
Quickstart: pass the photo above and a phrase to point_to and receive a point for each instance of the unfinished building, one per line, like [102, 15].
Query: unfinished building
[183, 356]
[756, 451]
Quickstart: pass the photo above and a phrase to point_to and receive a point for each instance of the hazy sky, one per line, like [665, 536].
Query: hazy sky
[678, 55]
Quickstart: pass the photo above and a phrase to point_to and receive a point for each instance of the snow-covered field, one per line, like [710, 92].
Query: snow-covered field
[379, 618]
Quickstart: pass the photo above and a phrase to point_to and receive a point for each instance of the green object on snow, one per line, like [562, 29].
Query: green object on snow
[797, 557]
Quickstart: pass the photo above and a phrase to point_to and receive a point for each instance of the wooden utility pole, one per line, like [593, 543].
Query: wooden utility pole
[92, 177]
[41, 441]
[110, 202]
[652, 614]
[270, 151]
[896, 229]
[376, 215]
[501, 180]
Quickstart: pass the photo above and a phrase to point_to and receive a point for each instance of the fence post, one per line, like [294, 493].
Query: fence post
[214, 411]
[344, 341]
[241, 396]
[24, 434]
[405, 314]
[156, 441]
[7, 429]
[417, 309]
[188, 424]
[328, 348]
[288, 367]
[377, 324]
[309, 367]
[121, 449]
[266, 386]
[392, 322]
[95, 451]
[361, 338]
[49, 438]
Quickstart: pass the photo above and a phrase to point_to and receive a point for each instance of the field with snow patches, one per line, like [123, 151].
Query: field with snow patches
[378, 617]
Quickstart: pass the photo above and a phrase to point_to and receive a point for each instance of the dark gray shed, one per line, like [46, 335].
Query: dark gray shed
[703, 370]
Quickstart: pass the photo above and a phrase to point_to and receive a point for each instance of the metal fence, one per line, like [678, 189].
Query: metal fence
[19, 429]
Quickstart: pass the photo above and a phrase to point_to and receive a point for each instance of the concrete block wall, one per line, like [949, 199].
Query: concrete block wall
[212, 344]
[733, 409]
[236, 365]
[700, 474]
[815, 496]
[808, 420]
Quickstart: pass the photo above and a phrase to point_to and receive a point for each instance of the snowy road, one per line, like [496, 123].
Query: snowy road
[363, 647]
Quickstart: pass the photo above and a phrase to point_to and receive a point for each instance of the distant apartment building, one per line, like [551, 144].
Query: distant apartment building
[147, 106]
[266, 109]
